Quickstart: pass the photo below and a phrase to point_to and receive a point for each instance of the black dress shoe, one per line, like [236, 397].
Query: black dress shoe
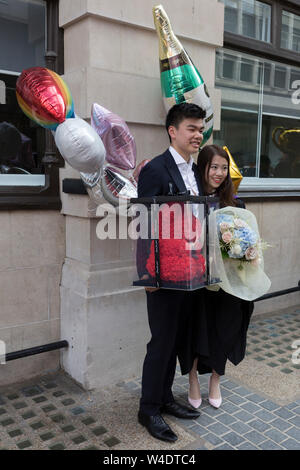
[180, 411]
[157, 427]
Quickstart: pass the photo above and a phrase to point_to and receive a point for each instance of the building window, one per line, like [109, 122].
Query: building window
[22, 30]
[290, 31]
[30, 37]
[259, 106]
[261, 92]
[22, 142]
[249, 18]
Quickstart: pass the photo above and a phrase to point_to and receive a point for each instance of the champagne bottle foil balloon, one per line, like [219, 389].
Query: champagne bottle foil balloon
[235, 173]
[116, 188]
[180, 80]
[44, 97]
[118, 141]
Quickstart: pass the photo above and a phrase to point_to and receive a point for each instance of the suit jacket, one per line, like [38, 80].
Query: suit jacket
[161, 176]
[158, 178]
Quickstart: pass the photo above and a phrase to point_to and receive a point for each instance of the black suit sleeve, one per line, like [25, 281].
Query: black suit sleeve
[149, 183]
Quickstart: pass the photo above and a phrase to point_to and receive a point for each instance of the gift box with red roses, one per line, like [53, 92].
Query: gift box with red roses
[171, 247]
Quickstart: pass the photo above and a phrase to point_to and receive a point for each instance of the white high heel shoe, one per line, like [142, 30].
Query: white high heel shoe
[215, 402]
[195, 403]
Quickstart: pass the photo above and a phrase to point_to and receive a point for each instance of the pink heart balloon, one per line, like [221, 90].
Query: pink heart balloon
[118, 141]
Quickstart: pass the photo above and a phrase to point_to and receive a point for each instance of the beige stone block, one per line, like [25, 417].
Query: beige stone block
[135, 51]
[78, 238]
[74, 330]
[77, 205]
[77, 46]
[150, 140]
[5, 240]
[290, 250]
[84, 245]
[25, 295]
[54, 280]
[30, 335]
[107, 335]
[277, 219]
[215, 96]
[77, 82]
[37, 238]
[190, 20]
[103, 251]
[117, 336]
[32, 296]
[97, 280]
[141, 102]
[71, 10]
[127, 49]
[256, 208]
[29, 367]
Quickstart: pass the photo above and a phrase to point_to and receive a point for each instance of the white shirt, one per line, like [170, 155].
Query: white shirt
[186, 171]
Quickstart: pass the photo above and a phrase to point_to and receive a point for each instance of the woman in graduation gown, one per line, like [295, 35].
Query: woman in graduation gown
[217, 326]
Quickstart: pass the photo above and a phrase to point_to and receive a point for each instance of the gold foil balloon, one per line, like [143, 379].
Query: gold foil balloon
[287, 140]
[234, 171]
[180, 80]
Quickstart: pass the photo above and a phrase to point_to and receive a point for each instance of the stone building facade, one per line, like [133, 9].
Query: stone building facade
[58, 280]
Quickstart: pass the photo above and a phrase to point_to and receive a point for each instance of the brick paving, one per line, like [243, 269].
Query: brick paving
[53, 412]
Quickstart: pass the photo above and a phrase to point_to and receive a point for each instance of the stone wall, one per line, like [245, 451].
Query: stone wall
[32, 250]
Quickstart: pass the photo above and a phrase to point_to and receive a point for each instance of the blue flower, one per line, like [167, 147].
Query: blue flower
[246, 236]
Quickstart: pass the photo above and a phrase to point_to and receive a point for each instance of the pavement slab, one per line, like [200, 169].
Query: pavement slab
[260, 409]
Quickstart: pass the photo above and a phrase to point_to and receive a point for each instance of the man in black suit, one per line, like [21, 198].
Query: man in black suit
[173, 172]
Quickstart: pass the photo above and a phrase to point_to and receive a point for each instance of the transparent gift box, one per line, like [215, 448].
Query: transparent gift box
[173, 244]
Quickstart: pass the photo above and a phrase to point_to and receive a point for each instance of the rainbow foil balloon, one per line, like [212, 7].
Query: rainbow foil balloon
[44, 97]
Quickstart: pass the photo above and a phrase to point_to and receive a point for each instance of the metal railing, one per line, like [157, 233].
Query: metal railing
[278, 293]
[64, 344]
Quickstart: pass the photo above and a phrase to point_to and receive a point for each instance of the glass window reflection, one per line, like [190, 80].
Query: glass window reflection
[259, 119]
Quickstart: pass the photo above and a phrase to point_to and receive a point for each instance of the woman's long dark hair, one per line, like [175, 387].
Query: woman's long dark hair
[225, 190]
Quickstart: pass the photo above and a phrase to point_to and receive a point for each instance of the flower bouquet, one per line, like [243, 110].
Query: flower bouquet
[240, 257]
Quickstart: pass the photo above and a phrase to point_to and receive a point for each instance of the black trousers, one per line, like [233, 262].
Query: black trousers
[167, 315]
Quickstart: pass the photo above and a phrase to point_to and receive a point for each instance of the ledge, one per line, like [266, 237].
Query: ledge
[76, 186]
[23, 202]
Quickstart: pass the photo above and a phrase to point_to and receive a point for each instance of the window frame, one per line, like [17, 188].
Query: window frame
[268, 188]
[48, 196]
[271, 50]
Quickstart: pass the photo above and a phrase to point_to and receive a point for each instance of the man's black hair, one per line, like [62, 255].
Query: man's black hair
[182, 111]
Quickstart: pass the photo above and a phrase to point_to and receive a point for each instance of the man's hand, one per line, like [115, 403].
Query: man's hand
[151, 289]
[148, 289]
